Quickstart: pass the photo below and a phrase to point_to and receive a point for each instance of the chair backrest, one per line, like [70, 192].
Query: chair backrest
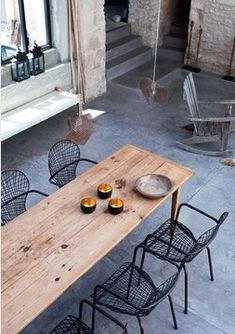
[207, 237]
[162, 291]
[190, 95]
[15, 188]
[63, 159]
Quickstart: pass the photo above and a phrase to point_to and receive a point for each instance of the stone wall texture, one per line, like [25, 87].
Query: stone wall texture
[217, 19]
[143, 19]
[92, 32]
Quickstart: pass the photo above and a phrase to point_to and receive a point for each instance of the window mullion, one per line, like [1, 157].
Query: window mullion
[48, 21]
[25, 40]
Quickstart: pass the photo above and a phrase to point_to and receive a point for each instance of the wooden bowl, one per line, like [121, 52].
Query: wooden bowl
[104, 190]
[153, 185]
[88, 205]
[115, 206]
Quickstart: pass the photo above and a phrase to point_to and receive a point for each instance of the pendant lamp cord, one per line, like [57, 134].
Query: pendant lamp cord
[157, 34]
[75, 49]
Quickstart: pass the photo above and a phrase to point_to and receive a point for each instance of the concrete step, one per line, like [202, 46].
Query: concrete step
[118, 33]
[175, 41]
[171, 53]
[121, 46]
[127, 62]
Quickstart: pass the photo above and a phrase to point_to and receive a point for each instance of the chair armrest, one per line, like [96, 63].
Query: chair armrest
[194, 209]
[38, 192]
[88, 160]
[148, 250]
[213, 119]
[59, 170]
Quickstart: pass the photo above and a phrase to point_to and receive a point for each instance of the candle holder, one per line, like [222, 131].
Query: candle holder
[104, 190]
[88, 205]
[115, 206]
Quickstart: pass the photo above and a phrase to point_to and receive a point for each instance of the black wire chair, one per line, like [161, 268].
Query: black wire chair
[177, 243]
[14, 191]
[130, 290]
[74, 325]
[63, 158]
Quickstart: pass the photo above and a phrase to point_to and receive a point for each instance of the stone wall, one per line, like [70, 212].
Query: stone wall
[92, 32]
[217, 19]
[143, 19]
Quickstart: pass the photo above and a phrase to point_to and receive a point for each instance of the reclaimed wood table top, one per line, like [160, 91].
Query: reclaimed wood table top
[51, 245]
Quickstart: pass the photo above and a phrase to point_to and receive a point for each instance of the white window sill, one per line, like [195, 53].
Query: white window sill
[51, 59]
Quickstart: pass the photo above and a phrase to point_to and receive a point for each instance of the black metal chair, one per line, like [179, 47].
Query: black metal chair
[14, 191]
[74, 325]
[130, 290]
[177, 243]
[63, 158]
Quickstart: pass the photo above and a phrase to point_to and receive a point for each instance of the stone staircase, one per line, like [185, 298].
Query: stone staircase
[175, 43]
[124, 52]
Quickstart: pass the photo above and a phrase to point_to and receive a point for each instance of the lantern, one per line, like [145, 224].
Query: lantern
[37, 64]
[20, 66]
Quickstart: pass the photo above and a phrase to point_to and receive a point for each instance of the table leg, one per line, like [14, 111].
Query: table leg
[175, 202]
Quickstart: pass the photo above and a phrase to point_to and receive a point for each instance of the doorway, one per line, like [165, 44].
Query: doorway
[182, 12]
[116, 13]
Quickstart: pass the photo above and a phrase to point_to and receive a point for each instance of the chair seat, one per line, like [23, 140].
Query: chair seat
[71, 325]
[141, 290]
[182, 238]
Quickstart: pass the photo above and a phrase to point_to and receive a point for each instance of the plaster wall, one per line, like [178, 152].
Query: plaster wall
[217, 19]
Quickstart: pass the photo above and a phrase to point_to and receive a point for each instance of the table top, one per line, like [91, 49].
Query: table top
[51, 245]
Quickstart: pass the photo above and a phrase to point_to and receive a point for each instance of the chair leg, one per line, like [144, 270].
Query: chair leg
[140, 324]
[210, 263]
[141, 264]
[185, 290]
[173, 312]
[142, 260]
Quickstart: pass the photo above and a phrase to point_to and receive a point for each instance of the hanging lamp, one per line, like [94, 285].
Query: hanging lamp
[152, 91]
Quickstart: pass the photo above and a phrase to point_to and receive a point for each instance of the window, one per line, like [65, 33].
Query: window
[22, 23]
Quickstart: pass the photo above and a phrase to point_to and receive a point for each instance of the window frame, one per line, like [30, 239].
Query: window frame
[23, 26]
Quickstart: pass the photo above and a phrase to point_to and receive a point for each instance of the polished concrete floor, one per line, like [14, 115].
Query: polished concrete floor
[128, 118]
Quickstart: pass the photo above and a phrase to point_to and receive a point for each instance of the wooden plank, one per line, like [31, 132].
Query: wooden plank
[14, 268]
[34, 219]
[53, 244]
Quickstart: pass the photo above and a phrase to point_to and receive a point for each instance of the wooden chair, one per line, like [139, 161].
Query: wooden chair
[210, 134]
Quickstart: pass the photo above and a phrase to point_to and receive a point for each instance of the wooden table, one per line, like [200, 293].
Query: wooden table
[49, 247]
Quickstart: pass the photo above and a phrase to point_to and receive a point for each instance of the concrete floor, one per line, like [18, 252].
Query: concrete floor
[129, 119]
